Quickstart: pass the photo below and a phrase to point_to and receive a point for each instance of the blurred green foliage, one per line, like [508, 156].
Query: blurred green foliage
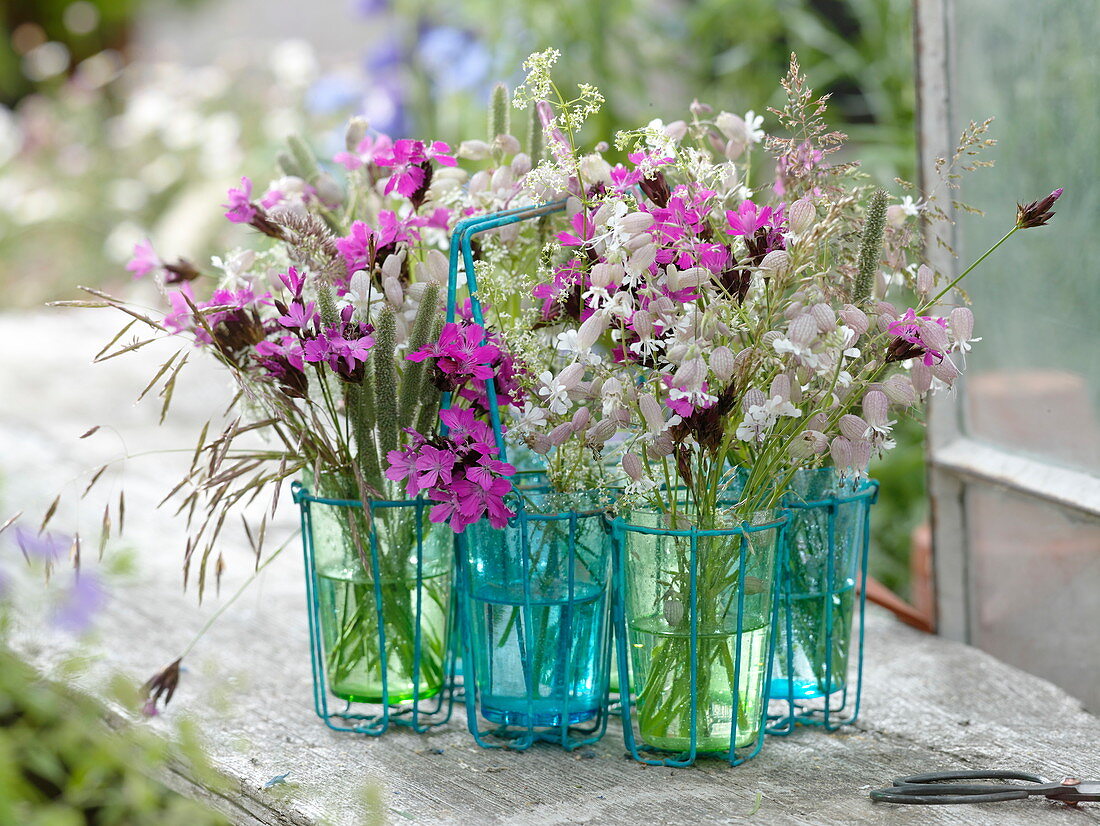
[83, 27]
[60, 765]
[652, 57]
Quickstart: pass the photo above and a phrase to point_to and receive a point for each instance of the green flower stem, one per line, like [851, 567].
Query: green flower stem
[935, 299]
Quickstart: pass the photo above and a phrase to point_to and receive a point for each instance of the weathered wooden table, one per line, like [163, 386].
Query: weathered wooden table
[929, 704]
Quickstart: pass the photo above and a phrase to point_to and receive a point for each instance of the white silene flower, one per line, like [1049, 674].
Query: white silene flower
[532, 419]
[566, 342]
[909, 206]
[621, 305]
[753, 122]
[657, 138]
[761, 418]
[643, 485]
[555, 393]
[235, 267]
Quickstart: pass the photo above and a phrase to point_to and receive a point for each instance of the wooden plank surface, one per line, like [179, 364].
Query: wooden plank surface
[930, 704]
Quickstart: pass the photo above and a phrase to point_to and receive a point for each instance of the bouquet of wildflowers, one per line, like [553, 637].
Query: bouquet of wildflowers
[325, 331]
[727, 307]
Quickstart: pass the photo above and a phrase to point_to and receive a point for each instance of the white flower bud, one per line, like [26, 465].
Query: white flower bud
[479, 182]
[852, 427]
[601, 275]
[394, 295]
[611, 387]
[776, 261]
[601, 432]
[391, 267]
[539, 443]
[945, 371]
[521, 165]
[899, 390]
[781, 386]
[676, 130]
[636, 222]
[673, 611]
[502, 179]
[433, 268]
[330, 192]
[356, 131]
[643, 258]
[660, 447]
[752, 398]
[590, 330]
[962, 324]
[651, 412]
[570, 377]
[732, 127]
[803, 330]
[876, 406]
[691, 373]
[922, 377]
[825, 317]
[934, 336]
[560, 434]
[742, 362]
[801, 216]
[854, 317]
[692, 277]
[885, 308]
[580, 419]
[721, 362]
[926, 279]
[895, 215]
[632, 466]
[841, 451]
[793, 310]
[861, 455]
[595, 169]
[643, 324]
[508, 144]
[808, 443]
[474, 150]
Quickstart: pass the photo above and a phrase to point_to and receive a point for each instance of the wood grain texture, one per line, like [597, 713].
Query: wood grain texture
[929, 704]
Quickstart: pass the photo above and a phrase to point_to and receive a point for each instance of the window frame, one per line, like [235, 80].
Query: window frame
[954, 458]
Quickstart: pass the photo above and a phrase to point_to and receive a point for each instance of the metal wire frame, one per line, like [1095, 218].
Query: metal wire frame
[799, 711]
[619, 530]
[419, 715]
[519, 737]
[569, 737]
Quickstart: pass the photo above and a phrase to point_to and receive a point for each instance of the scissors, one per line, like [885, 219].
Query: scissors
[946, 788]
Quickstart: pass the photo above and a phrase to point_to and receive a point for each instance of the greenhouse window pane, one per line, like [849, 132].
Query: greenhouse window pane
[1035, 574]
[1034, 381]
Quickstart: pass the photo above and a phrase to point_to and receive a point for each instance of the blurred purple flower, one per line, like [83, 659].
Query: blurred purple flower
[384, 106]
[369, 8]
[144, 260]
[332, 93]
[81, 603]
[47, 547]
[455, 58]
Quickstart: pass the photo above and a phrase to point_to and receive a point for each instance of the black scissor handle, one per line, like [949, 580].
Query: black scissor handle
[929, 795]
[930, 789]
[983, 774]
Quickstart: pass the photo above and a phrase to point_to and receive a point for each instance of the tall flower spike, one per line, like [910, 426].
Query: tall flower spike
[870, 250]
[1037, 213]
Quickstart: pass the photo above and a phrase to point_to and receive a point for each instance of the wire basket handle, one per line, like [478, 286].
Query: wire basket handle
[461, 245]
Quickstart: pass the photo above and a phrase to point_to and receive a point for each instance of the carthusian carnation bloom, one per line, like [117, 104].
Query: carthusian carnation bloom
[1037, 213]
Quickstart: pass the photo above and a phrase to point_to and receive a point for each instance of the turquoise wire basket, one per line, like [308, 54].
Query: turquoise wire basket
[534, 596]
[695, 664]
[382, 612]
[822, 602]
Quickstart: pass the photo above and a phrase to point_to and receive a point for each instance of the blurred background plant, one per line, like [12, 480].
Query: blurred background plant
[98, 152]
